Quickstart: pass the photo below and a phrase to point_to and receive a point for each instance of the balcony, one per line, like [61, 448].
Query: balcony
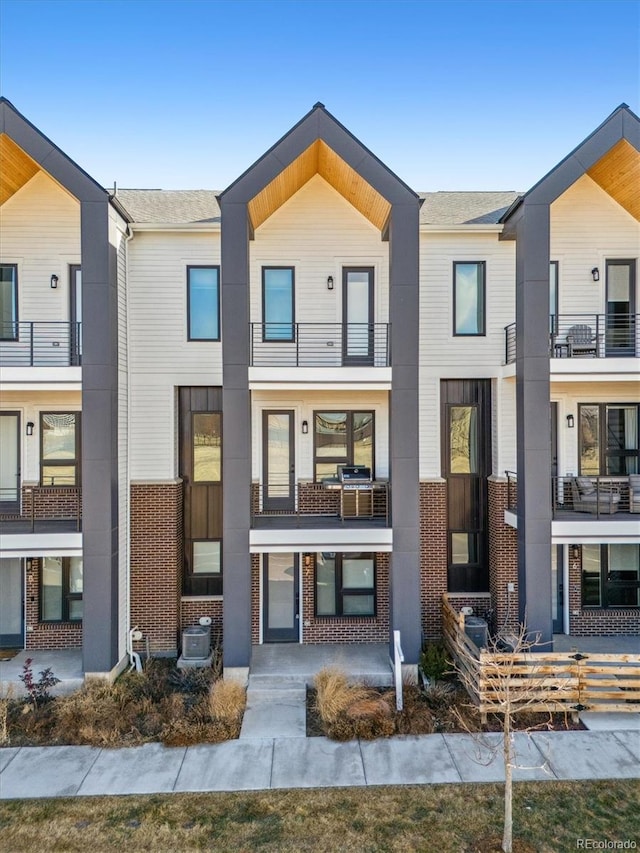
[45, 509]
[316, 506]
[577, 498]
[325, 345]
[586, 336]
[40, 344]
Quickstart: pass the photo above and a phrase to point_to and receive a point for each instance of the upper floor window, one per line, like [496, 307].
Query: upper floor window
[278, 308]
[207, 447]
[8, 302]
[60, 448]
[469, 297]
[343, 438]
[203, 303]
[609, 439]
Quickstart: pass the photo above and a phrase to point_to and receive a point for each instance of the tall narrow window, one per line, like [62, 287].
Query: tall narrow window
[203, 303]
[61, 587]
[207, 447]
[278, 303]
[60, 448]
[8, 302]
[469, 297]
[343, 438]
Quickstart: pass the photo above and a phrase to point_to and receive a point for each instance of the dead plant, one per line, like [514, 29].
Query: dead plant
[334, 694]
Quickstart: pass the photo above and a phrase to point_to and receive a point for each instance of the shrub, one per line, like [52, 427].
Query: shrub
[433, 661]
[351, 711]
[334, 694]
[38, 691]
[439, 694]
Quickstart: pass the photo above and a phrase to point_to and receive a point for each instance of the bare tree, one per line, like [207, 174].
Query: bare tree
[507, 684]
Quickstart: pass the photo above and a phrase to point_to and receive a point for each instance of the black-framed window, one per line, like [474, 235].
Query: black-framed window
[609, 439]
[203, 303]
[203, 567]
[345, 584]
[343, 438]
[206, 436]
[61, 587]
[611, 575]
[8, 302]
[60, 448]
[278, 303]
[469, 297]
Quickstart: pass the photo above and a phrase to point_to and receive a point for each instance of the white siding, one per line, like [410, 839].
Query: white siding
[504, 433]
[443, 356]
[587, 227]
[41, 234]
[160, 357]
[318, 232]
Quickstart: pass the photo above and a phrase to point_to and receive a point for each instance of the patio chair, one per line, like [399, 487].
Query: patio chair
[582, 341]
[588, 498]
[634, 492]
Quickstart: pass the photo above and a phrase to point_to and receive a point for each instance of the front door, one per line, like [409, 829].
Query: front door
[11, 603]
[9, 462]
[281, 598]
[278, 465]
[357, 313]
[75, 314]
[620, 320]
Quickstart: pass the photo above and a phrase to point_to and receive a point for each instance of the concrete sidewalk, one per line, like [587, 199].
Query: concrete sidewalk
[263, 763]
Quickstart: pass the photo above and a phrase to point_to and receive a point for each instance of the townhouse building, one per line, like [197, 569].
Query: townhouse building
[308, 406]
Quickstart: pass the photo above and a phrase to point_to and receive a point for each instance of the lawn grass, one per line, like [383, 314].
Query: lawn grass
[549, 817]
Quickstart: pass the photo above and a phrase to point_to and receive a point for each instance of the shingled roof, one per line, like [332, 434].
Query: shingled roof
[184, 207]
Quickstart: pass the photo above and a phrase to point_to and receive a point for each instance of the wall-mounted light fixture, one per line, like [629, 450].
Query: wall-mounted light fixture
[29, 427]
[595, 273]
[305, 427]
[570, 421]
[307, 561]
[330, 282]
[54, 281]
[575, 551]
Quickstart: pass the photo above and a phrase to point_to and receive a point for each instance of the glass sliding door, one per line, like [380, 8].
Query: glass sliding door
[357, 313]
[620, 320]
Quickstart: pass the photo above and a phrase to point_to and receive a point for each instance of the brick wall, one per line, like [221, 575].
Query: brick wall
[192, 609]
[54, 502]
[503, 558]
[592, 620]
[46, 635]
[156, 563]
[433, 555]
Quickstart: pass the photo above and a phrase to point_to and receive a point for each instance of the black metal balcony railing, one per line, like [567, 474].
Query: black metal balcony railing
[44, 508]
[40, 344]
[577, 498]
[320, 345]
[307, 504]
[586, 336]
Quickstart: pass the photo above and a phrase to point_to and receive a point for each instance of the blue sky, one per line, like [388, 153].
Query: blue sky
[450, 95]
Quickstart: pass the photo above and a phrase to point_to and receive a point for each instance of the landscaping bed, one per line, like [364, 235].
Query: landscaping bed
[162, 703]
[343, 711]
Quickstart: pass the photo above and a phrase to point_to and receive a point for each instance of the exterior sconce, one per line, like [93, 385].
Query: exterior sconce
[570, 421]
[54, 281]
[305, 427]
[307, 561]
[575, 551]
[330, 283]
[595, 272]
[30, 428]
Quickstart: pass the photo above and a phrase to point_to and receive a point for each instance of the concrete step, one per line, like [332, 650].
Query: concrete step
[276, 707]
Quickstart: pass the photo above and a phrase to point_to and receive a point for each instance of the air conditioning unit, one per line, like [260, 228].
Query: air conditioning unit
[477, 630]
[196, 643]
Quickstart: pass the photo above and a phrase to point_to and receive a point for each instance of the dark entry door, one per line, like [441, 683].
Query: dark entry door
[620, 320]
[281, 598]
[357, 316]
[278, 460]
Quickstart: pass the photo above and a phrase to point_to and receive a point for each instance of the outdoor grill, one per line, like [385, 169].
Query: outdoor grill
[356, 494]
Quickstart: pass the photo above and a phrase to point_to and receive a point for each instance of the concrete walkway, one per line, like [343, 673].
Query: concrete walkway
[265, 763]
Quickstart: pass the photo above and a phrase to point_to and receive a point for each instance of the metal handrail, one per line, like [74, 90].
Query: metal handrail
[586, 336]
[608, 495]
[308, 499]
[42, 343]
[320, 345]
